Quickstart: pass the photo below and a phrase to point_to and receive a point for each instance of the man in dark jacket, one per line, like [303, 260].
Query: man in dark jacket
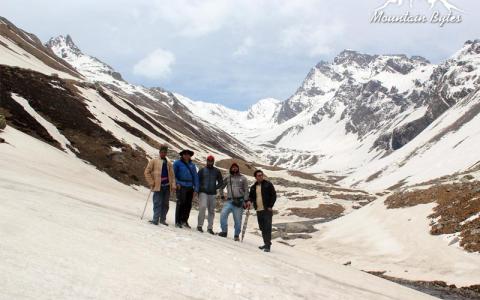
[211, 180]
[186, 177]
[263, 195]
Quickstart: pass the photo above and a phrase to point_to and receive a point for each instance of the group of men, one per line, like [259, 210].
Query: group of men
[181, 177]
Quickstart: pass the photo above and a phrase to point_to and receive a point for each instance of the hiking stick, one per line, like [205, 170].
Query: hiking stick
[146, 203]
[244, 229]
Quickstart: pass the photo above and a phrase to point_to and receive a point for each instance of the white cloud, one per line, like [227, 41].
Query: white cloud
[316, 39]
[155, 65]
[245, 47]
[194, 18]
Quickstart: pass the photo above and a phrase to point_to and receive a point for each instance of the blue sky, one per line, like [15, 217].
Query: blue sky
[235, 52]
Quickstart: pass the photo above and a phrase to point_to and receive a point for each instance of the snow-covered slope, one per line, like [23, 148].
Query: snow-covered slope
[396, 241]
[92, 68]
[69, 231]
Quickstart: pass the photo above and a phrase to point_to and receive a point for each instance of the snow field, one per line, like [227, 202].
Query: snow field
[70, 231]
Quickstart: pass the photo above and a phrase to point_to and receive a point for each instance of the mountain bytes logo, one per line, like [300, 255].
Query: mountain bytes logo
[451, 14]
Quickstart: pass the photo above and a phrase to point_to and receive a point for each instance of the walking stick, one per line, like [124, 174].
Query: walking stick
[244, 229]
[146, 203]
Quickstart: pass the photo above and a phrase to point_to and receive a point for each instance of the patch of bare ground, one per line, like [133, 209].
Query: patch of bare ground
[303, 198]
[332, 211]
[303, 175]
[353, 197]
[246, 168]
[439, 289]
[68, 112]
[398, 185]
[335, 179]
[457, 206]
[374, 176]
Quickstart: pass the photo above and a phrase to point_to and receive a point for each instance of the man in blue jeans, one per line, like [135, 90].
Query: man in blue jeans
[161, 179]
[237, 194]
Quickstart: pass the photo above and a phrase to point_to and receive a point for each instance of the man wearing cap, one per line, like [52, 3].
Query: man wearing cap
[237, 194]
[161, 179]
[188, 186]
[211, 180]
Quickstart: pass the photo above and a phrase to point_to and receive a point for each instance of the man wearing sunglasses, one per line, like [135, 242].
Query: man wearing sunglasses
[263, 195]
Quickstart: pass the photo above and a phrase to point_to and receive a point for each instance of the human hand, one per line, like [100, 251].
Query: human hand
[178, 187]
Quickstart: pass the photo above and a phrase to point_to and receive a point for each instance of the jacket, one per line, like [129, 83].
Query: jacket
[211, 180]
[237, 186]
[153, 174]
[183, 175]
[269, 195]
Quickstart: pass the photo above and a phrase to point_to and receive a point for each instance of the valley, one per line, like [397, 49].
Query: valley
[374, 159]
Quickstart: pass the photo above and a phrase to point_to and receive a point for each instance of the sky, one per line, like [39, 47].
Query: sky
[236, 52]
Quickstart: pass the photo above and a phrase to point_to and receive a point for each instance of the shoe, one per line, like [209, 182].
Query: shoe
[266, 249]
[178, 225]
[210, 231]
[222, 234]
[164, 223]
[186, 225]
[236, 238]
[153, 222]
[262, 247]
[200, 229]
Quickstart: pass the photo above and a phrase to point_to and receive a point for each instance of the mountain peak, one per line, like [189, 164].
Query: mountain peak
[63, 42]
[348, 56]
[264, 109]
[91, 67]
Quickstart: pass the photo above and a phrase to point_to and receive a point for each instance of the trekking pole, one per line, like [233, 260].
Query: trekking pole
[244, 229]
[146, 203]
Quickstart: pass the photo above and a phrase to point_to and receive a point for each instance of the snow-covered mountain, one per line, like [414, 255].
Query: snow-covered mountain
[361, 111]
[242, 124]
[92, 68]
[82, 106]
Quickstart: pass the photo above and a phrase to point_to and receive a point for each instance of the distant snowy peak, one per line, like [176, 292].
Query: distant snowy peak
[89, 66]
[265, 109]
[64, 44]
[351, 69]
[470, 49]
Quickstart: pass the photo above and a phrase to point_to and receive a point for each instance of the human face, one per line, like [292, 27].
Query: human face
[163, 154]
[259, 177]
[210, 163]
[235, 169]
[186, 157]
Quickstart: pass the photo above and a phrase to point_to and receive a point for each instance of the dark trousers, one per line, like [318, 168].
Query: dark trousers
[265, 223]
[161, 204]
[184, 204]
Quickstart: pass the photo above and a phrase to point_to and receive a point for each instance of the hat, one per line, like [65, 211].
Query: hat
[163, 147]
[210, 157]
[234, 165]
[186, 151]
